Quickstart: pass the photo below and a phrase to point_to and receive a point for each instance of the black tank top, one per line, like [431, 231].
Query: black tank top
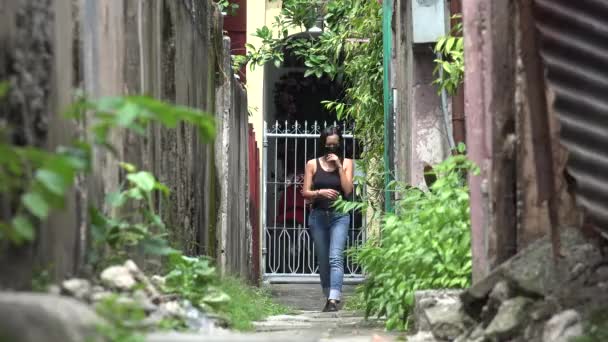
[325, 180]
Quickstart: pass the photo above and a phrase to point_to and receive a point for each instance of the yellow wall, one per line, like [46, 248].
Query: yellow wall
[259, 13]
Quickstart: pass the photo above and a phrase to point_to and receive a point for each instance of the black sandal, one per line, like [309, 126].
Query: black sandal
[330, 306]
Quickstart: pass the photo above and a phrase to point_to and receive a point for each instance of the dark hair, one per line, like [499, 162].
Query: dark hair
[329, 131]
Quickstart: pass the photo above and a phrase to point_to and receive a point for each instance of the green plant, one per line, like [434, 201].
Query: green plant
[248, 304]
[349, 50]
[41, 179]
[449, 69]
[142, 228]
[227, 6]
[41, 280]
[123, 320]
[424, 245]
[195, 279]
[596, 329]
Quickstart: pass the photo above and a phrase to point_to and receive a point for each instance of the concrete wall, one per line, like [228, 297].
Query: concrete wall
[420, 134]
[35, 58]
[171, 50]
[503, 93]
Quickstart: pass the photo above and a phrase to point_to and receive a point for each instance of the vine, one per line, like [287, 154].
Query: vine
[349, 49]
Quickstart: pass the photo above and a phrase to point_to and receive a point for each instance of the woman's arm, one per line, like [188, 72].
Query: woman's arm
[346, 171]
[306, 189]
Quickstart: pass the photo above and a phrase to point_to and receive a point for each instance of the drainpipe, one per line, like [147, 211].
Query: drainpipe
[387, 39]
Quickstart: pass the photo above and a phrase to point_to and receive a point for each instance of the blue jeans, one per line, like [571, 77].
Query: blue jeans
[329, 231]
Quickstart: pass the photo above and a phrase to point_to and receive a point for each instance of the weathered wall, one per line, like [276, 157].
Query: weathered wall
[234, 228]
[170, 50]
[36, 59]
[420, 135]
[173, 50]
[504, 93]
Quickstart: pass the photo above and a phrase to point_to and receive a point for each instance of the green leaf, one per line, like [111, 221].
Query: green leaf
[143, 180]
[52, 181]
[36, 204]
[116, 199]
[127, 114]
[130, 168]
[450, 43]
[23, 228]
[4, 88]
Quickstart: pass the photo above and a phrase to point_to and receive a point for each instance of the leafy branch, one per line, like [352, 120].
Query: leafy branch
[41, 179]
[449, 69]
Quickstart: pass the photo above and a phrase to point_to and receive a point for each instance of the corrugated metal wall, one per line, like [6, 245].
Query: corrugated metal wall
[574, 49]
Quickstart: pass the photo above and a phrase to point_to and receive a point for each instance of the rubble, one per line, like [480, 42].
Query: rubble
[528, 298]
[132, 286]
[118, 277]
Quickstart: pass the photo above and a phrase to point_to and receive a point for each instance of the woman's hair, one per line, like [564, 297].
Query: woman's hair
[329, 131]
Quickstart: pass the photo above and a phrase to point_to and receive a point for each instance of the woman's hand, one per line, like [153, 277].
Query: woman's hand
[334, 159]
[328, 193]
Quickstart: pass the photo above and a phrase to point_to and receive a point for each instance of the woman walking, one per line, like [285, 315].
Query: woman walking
[325, 179]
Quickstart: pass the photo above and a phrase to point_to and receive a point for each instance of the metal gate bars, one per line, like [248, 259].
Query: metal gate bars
[288, 249]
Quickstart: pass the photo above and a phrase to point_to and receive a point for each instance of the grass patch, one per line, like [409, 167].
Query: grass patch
[355, 302]
[248, 304]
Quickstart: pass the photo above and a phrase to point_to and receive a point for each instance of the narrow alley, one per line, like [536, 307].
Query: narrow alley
[303, 170]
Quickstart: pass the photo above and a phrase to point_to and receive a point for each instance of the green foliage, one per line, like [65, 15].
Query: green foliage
[143, 228]
[123, 320]
[41, 179]
[596, 329]
[424, 245]
[195, 279]
[248, 304]
[449, 69]
[348, 50]
[227, 6]
[41, 280]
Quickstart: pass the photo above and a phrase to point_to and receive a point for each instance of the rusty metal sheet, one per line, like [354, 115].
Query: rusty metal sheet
[574, 49]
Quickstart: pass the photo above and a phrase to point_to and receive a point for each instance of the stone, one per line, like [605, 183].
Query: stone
[97, 297]
[474, 335]
[54, 290]
[143, 279]
[172, 308]
[577, 270]
[422, 336]
[35, 317]
[446, 319]
[118, 277]
[142, 299]
[77, 288]
[511, 315]
[563, 327]
[233, 337]
[501, 292]
[158, 281]
[425, 299]
[532, 271]
[543, 310]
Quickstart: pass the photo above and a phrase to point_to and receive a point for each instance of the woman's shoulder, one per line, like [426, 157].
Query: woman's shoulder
[312, 163]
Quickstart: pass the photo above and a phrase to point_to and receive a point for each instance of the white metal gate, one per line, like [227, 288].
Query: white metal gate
[288, 249]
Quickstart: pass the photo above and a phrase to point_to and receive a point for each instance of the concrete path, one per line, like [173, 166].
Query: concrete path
[306, 324]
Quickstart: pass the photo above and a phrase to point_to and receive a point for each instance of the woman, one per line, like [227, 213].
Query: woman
[325, 179]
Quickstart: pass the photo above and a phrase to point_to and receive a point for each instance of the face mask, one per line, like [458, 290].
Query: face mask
[332, 149]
